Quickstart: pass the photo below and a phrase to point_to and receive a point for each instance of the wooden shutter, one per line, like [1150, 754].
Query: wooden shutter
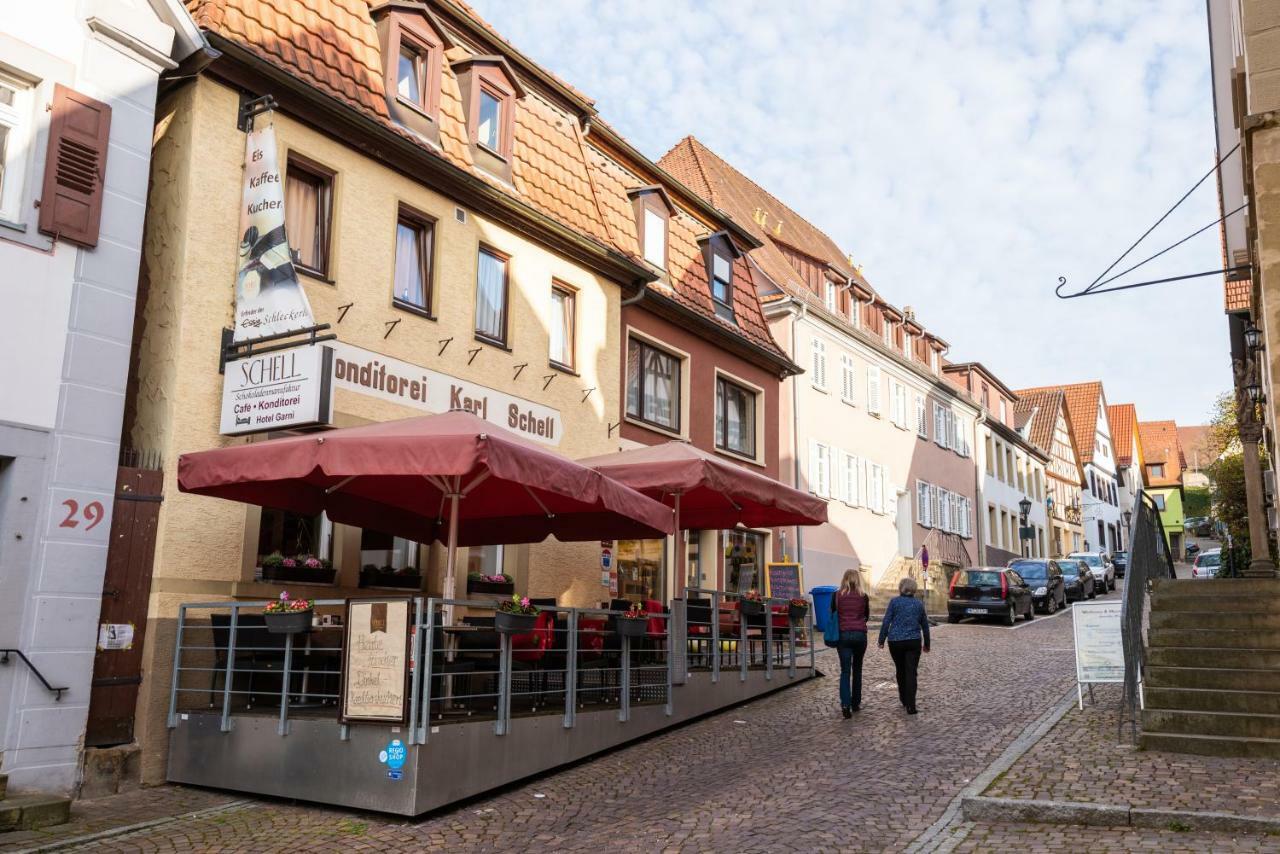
[75, 167]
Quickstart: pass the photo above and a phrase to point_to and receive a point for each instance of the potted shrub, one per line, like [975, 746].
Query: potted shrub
[515, 615]
[407, 578]
[287, 616]
[751, 603]
[501, 583]
[797, 609]
[299, 569]
[633, 622]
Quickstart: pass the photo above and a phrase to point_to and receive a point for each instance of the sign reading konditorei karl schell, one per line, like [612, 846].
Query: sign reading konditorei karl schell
[366, 372]
[269, 299]
[278, 391]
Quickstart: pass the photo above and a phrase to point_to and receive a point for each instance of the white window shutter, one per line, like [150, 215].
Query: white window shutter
[922, 423]
[854, 476]
[873, 388]
[815, 468]
[847, 378]
[864, 477]
[841, 486]
[819, 366]
[934, 515]
[890, 500]
[828, 486]
[939, 425]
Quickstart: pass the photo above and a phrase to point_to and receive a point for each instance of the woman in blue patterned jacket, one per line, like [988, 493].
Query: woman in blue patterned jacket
[906, 627]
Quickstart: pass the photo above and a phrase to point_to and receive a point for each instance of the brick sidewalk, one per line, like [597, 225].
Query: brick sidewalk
[1077, 839]
[1083, 760]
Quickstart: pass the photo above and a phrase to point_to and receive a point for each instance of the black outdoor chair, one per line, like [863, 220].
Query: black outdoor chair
[257, 648]
[698, 615]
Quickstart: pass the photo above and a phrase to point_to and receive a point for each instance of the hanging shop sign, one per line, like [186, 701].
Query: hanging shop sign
[269, 299]
[278, 391]
[375, 667]
[373, 374]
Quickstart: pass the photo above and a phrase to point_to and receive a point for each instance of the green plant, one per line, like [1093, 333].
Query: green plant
[1178, 826]
[635, 612]
[273, 560]
[285, 605]
[518, 605]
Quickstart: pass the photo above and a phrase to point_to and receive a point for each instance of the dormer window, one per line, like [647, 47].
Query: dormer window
[719, 252]
[830, 297]
[489, 91]
[412, 42]
[888, 332]
[653, 211]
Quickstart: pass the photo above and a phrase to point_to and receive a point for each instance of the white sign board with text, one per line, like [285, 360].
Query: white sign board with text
[1099, 646]
[278, 391]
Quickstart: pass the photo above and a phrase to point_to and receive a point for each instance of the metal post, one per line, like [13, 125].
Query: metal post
[624, 710]
[571, 671]
[424, 724]
[791, 648]
[177, 658]
[504, 684]
[768, 641]
[415, 657]
[715, 636]
[744, 645]
[813, 663]
[225, 724]
[282, 728]
[671, 658]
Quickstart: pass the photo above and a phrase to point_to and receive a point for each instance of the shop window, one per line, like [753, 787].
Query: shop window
[563, 326]
[384, 550]
[491, 297]
[415, 240]
[642, 570]
[294, 535]
[735, 418]
[744, 557]
[653, 385]
[485, 560]
[308, 213]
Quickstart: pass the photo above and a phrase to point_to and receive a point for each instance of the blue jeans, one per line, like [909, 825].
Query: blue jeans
[852, 647]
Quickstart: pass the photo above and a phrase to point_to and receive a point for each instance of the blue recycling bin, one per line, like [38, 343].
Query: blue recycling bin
[822, 604]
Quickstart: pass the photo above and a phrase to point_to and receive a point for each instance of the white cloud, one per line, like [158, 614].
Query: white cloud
[967, 153]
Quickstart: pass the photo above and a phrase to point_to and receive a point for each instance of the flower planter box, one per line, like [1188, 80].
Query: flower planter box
[510, 624]
[499, 588]
[289, 623]
[632, 627]
[750, 608]
[797, 613]
[378, 578]
[299, 574]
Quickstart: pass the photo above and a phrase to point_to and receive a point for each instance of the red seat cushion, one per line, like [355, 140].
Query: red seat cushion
[533, 645]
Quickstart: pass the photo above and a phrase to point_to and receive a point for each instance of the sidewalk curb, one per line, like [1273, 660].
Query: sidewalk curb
[979, 808]
[112, 832]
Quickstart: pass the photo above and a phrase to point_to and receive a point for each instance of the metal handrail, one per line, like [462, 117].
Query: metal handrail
[57, 692]
[1149, 558]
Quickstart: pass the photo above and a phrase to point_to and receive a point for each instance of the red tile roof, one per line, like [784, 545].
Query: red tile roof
[1160, 445]
[1238, 295]
[332, 45]
[1197, 446]
[1041, 408]
[1124, 421]
[1082, 409]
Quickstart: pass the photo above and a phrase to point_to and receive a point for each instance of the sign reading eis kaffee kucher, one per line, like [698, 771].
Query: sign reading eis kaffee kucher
[278, 391]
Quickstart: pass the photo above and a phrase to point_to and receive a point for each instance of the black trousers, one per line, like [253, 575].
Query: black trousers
[906, 661]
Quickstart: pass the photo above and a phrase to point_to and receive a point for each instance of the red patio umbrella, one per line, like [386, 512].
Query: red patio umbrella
[707, 490]
[453, 478]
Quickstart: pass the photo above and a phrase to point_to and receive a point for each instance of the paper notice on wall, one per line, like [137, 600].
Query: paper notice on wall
[269, 299]
[115, 636]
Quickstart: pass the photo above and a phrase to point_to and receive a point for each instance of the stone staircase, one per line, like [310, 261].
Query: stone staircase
[28, 812]
[1212, 682]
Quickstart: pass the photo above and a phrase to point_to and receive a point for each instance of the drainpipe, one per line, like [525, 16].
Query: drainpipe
[980, 512]
[644, 289]
[795, 429]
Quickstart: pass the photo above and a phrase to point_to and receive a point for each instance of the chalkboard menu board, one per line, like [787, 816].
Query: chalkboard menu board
[782, 581]
[375, 661]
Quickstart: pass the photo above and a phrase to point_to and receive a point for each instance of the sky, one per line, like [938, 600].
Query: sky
[965, 153]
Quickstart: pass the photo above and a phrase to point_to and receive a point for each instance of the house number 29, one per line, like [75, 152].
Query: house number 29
[92, 513]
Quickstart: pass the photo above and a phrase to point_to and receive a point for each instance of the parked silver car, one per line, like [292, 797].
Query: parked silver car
[1104, 572]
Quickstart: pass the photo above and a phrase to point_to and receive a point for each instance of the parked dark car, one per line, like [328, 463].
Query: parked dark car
[1120, 560]
[1204, 527]
[1044, 577]
[989, 591]
[1078, 579]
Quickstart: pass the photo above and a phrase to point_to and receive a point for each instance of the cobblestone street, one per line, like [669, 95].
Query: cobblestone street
[785, 773]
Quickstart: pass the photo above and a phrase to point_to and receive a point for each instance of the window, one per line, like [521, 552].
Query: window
[944, 510]
[900, 405]
[852, 480]
[563, 326]
[655, 238]
[721, 284]
[875, 487]
[855, 310]
[642, 569]
[486, 560]
[924, 514]
[412, 45]
[294, 535]
[308, 207]
[415, 236]
[848, 379]
[745, 554]
[887, 331]
[410, 82]
[933, 360]
[818, 348]
[15, 133]
[819, 468]
[491, 297]
[906, 343]
[873, 389]
[940, 425]
[388, 552]
[488, 131]
[922, 421]
[1003, 412]
[653, 385]
[1155, 470]
[830, 297]
[735, 418]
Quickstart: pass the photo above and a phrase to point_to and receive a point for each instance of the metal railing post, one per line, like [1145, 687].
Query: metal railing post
[791, 648]
[715, 636]
[177, 658]
[571, 671]
[624, 709]
[424, 723]
[671, 659]
[744, 644]
[768, 640]
[225, 724]
[416, 658]
[282, 728]
[504, 684]
[813, 661]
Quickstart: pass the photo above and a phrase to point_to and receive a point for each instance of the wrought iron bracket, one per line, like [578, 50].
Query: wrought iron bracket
[232, 350]
[250, 108]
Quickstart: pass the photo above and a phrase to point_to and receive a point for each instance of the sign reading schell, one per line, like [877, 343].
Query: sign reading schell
[366, 372]
[278, 391]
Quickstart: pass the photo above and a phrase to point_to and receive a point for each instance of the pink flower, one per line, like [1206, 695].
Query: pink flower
[524, 603]
[284, 595]
[312, 563]
[290, 562]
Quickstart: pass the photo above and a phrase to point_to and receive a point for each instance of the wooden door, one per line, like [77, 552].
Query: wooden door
[117, 669]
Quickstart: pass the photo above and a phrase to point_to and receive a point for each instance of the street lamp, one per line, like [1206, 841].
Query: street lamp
[1025, 506]
[1252, 336]
[1253, 391]
[1128, 518]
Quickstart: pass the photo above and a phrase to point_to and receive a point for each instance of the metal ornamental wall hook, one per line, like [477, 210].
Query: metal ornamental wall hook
[474, 353]
[444, 344]
[519, 368]
[548, 378]
[342, 311]
[587, 394]
[391, 325]
[614, 426]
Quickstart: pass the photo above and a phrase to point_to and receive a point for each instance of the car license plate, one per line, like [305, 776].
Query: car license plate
[975, 610]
